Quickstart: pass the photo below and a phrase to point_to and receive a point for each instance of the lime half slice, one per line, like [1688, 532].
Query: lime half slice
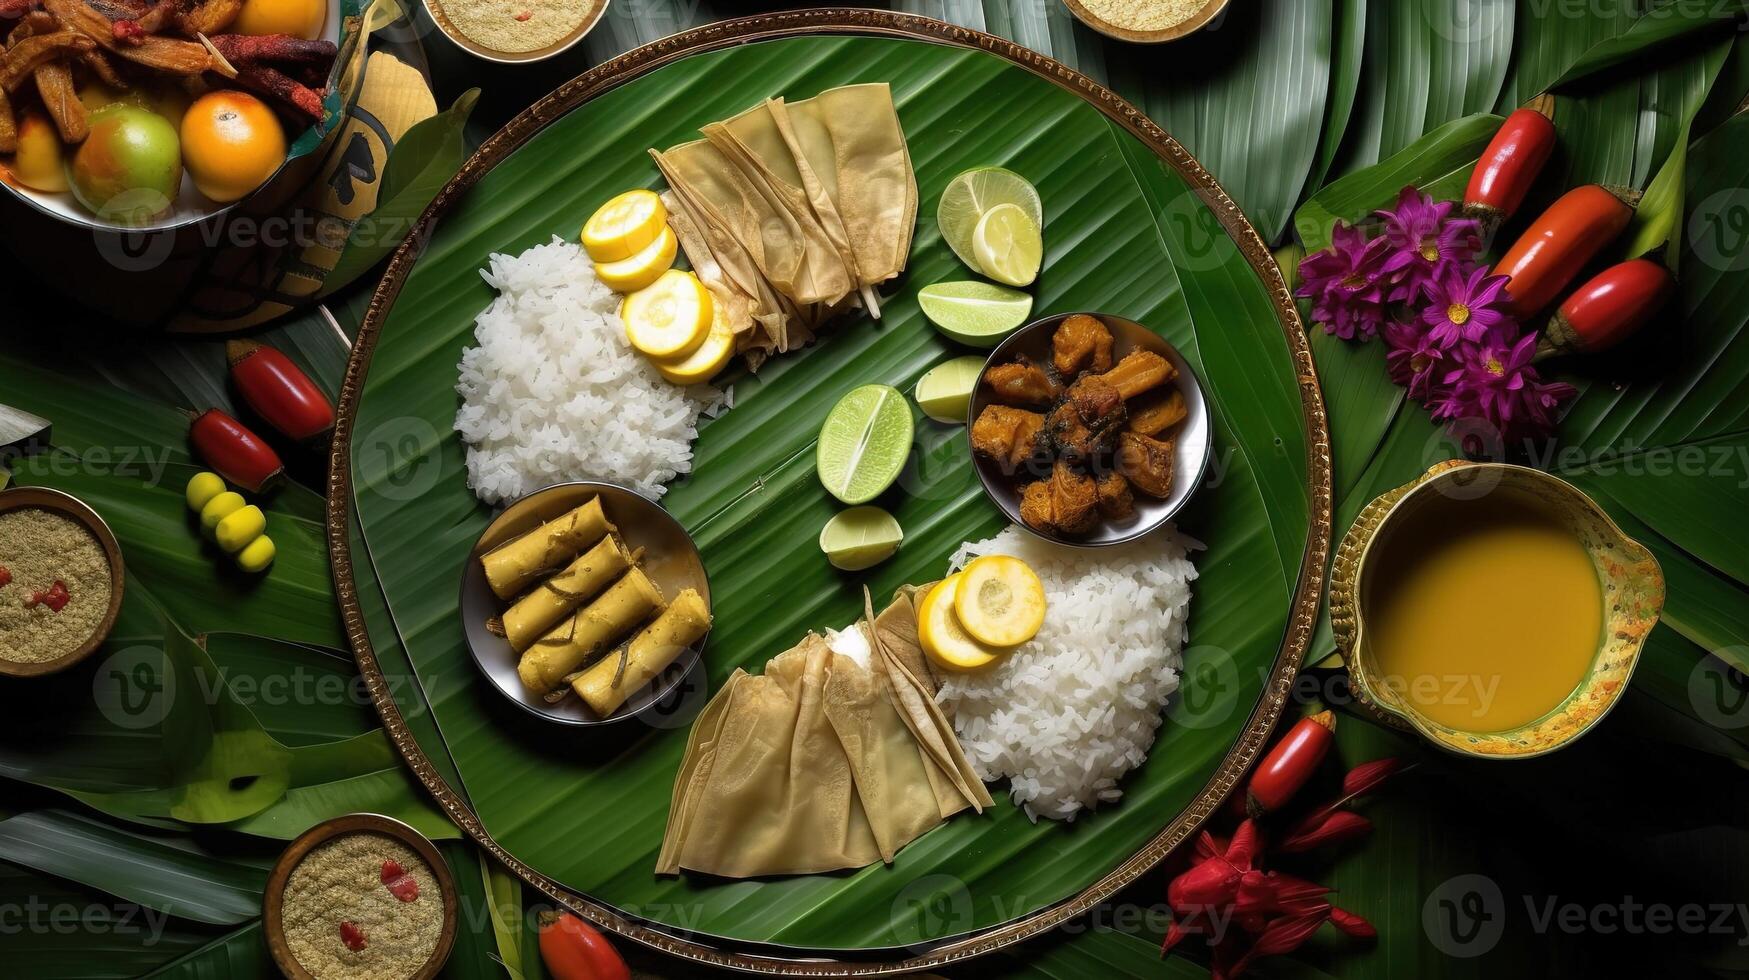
[864, 443]
[1008, 245]
[975, 193]
[860, 538]
[945, 390]
[979, 314]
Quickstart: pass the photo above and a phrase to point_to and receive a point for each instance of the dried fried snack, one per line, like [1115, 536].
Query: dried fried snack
[23, 59]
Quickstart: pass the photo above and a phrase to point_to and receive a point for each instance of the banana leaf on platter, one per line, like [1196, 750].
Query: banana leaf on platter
[752, 502]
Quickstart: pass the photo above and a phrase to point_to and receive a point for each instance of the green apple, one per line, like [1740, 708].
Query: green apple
[129, 169]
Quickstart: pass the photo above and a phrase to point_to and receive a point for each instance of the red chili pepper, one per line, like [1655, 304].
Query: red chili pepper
[5, 576]
[1509, 166]
[1293, 760]
[400, 884]
[236, 453]
[353, 937]
[573, 950]
[1607, 309]
[1558, 244]
[278, 390]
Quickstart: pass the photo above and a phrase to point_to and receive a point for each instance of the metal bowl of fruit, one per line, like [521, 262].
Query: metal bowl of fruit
[153, 117]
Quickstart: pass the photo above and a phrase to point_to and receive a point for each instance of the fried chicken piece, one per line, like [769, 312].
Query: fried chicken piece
[1021, 383]
[1081, 343]
[1115, 500]
[1007, 435]
[1157, 411]
[1147, 462]
[1086, 422]
[1074, 439]
[1074, 499]
[1067, 503]
[1035, 507]
[1139, 371]
[1097, 402]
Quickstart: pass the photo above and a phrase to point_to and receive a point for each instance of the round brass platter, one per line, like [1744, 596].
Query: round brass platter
[879, 23]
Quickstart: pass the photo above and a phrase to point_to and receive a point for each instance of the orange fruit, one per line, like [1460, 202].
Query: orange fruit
[39, 163]
[299, 18]
[231, 143]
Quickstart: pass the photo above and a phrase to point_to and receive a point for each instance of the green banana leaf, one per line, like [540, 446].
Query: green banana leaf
[173, 874]
[754, 482]
[1269, 63]
[1425, 62]
[68, 931]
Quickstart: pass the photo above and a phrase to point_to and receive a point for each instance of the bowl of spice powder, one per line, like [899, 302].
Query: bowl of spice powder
[60, 581]
[1146, 21]
[515, 31]
[360, 897]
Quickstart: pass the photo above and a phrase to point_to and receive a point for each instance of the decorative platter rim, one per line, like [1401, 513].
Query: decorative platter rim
[880, 23]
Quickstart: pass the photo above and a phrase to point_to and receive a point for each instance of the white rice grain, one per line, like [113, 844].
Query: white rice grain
[555, 393]
[1072, 710]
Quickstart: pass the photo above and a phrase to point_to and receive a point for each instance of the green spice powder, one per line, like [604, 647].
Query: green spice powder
[341, 881]
[38, 548]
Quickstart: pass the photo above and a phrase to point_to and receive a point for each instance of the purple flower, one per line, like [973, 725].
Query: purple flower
[1424, 240]
[1345, 283]
[1497, 383]
[1467, 309]
[1415, 361]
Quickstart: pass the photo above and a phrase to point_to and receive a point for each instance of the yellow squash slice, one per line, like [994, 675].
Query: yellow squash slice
[670, 318]
[712, 356]
[642, 269]
[941, 635]
[624, 226]
[1000, 601]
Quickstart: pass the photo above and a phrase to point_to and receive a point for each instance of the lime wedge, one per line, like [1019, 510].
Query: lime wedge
[860, 538]
[973, 194]
[976, 313]
[864, 443]
[1008, 245]
[945, 390]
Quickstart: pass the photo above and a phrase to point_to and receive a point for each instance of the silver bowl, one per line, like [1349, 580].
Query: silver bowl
[1194, 440]
[670, 558]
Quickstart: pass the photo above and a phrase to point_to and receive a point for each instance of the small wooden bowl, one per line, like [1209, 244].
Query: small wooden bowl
[72, 507]
[1197, 22]
[591, 17]
[273, 898]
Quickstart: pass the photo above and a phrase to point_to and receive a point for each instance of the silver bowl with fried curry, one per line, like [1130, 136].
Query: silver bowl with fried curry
[1089, 429]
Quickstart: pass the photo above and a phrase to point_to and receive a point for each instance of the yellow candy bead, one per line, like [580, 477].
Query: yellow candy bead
[240, 528]
[202, 488]
[219, 508]
[257, 555]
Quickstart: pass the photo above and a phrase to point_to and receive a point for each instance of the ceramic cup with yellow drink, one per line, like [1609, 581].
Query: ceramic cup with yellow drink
[1493, 608]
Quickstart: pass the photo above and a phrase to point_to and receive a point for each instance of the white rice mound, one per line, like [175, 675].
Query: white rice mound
[1072, 710]
[555, 392]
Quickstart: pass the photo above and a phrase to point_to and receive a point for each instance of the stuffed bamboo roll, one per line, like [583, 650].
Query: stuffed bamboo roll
[514, 565]
[681, 625]
[535, 613]
[590, 631]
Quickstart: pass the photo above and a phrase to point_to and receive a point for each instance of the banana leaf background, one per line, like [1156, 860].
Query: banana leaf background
[152, 819]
